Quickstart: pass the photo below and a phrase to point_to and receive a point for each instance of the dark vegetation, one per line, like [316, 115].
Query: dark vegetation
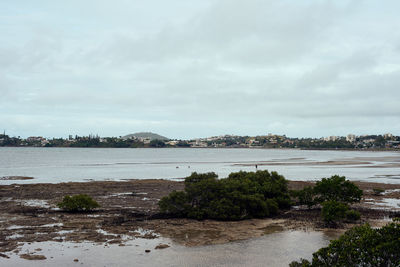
[271, 141]
[240, 196]
[78, 203]
[360, 246]
[334, 194]
[259, 194]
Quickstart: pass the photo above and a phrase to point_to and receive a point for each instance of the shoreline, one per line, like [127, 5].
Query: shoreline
[266, 148]
[129, 210]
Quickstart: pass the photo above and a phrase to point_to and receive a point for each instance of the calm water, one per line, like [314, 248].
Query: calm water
[82, 164]
[278, 249]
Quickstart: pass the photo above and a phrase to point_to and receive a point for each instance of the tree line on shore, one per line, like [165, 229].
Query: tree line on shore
[386, 141]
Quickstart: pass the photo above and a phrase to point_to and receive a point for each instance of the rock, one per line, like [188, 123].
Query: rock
[147, 250]
[162, 246]
[32, 257]
[4, 256]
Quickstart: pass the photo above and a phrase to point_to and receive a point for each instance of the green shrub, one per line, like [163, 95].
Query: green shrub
[353, 215]
[176, 203]
[360, 246]
[337, 188]
[333, 211]
[242, 195]
[76, 203]
[305, 196]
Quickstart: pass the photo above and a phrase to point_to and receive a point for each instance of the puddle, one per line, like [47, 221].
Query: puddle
[52, 225]
[64, 232]
[121, 194]
[93, 215]
[393, 203]
[273, 229]
[14, 236]
[16, 227]
[36, 203]
[103, 232]
[390, 191]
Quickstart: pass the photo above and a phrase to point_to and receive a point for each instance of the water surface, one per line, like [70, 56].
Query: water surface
[277, 249]
[82, 164]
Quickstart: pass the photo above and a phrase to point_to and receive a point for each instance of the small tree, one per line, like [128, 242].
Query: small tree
[306, 196]
[77, 203]
[333, 211]
[175, 203]
[337, 188]
[334, 194]
[240, 196]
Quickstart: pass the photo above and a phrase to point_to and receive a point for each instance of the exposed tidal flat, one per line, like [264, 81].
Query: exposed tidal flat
[128, 224]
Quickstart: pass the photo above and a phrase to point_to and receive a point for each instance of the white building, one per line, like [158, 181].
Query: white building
[388, 135]
[350, 138]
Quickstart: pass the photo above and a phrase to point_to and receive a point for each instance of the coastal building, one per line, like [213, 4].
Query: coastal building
[351, 138]
[35, 139]
[331, 138]
[388, 135]
[172, 143]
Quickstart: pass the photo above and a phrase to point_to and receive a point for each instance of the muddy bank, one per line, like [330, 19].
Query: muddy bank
[129, 210]
[15, 178]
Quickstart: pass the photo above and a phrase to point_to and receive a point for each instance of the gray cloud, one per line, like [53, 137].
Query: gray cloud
[188, 69]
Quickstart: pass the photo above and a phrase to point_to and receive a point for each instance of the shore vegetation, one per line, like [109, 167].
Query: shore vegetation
[334, 194]
[78, 203]
[360, 246]
[242, 195]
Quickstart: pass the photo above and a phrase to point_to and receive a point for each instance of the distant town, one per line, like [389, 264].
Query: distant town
[150, 140]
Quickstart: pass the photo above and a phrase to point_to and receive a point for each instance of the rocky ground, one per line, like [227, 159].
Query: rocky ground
[129, 210]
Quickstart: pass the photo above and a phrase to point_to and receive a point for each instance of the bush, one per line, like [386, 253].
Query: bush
[353, 215]
[360, 246]
[336, 188]
[242, 195]
[77, 203]
[175, 203]
[305, 196]
[333, 211]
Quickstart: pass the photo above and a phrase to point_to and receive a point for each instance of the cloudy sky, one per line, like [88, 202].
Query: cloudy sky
[185, 68]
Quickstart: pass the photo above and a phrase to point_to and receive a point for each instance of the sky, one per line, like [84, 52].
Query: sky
[187, 69]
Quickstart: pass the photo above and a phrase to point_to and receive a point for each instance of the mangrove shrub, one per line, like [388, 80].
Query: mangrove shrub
[77, 203]
[360, 246]
[239, 196]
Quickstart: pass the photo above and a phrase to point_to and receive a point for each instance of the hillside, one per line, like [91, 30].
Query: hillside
[150, 135]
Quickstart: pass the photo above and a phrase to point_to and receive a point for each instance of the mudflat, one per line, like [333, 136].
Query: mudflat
[29, 213]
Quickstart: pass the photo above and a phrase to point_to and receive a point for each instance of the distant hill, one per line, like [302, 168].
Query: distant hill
[152, 136]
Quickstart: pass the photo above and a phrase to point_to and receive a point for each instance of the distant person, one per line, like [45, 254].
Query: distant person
[256, 166]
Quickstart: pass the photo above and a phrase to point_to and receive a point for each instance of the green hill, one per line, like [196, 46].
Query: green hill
[151, 136]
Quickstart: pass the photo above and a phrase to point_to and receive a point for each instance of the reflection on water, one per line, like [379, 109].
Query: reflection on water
[276, 249]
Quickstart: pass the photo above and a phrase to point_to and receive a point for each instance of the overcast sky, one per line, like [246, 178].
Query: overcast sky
[186, 68]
